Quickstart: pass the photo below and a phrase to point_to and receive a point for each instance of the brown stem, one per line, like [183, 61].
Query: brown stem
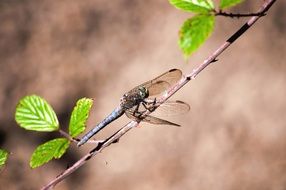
[115, 137]
[238, 15]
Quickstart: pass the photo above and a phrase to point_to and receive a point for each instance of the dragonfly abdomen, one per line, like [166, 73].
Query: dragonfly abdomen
[117, 112]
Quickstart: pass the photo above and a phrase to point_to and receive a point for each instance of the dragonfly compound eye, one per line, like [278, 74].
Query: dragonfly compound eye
[143, 92]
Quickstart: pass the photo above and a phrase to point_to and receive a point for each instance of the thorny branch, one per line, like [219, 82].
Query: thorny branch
[116, 136]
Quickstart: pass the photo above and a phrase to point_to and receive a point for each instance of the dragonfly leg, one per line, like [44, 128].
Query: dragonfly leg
[150, 101]
[150, 106]
[136, 113]
[136, 110]
[145, 104]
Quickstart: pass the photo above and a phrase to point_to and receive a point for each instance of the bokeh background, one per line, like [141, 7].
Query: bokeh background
[234, 137]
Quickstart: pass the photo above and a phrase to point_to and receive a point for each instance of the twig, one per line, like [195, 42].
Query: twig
[238, 15]
[115, 137]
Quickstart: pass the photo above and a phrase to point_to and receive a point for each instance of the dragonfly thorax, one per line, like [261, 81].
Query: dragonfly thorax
[134, 97]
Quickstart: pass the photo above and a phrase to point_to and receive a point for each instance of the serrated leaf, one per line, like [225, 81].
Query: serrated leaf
[195, 6]
[49, 150]
[34, 113]
[229, 3]
[79, 116]
[3, 157]
[194, 32]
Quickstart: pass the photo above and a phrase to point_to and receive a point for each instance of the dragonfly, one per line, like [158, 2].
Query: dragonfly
[135, 103]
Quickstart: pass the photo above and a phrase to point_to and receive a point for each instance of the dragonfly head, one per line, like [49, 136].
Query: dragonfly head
[143, 92]
[134, 97]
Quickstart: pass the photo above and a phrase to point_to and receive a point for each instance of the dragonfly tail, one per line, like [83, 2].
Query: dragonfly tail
[111, 117]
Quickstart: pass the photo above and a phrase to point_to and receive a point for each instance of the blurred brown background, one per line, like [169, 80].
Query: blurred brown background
[233, 137]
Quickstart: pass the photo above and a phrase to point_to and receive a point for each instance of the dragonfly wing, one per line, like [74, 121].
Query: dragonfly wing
[158, 121]
[161, 83]
[150, 119]
[158, 84]
[171, 108]
[172, 77]
[157, 87]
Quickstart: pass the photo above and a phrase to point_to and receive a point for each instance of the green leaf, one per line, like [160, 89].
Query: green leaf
[195, 6]
[229, 3]
[3, 157]
[34, 113]
[194, 32]
[49, 150]
[79, 116]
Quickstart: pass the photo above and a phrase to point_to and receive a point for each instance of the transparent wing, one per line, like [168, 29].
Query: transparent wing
[158, 121]
[161, 83]
[171, 108]
[156, 88]
[151, 119]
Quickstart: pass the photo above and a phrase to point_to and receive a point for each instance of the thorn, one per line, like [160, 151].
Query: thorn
[67, 166]
[215, 60]
[263, 14]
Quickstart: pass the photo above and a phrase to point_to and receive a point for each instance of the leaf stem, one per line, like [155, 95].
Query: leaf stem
[66, 135]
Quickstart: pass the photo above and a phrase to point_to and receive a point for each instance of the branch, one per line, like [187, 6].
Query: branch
[238, 15]
[112, 139]
[116, 136]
